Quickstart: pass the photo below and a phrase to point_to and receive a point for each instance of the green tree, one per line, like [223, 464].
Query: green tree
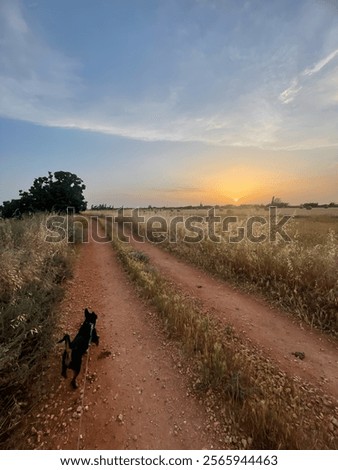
[67, 191]
[54, 192]
[10, 208]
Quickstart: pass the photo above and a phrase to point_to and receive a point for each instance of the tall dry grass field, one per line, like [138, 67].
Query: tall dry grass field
[31, 276]
[251, 392]
[299, 275]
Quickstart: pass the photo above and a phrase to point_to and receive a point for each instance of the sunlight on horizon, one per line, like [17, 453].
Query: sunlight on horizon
[242, 185]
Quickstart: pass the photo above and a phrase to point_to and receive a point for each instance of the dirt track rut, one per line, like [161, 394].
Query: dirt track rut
[272, 331]
[137, 393]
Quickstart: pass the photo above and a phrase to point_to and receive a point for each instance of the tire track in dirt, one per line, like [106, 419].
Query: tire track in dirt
[272, 331]
[137, 395]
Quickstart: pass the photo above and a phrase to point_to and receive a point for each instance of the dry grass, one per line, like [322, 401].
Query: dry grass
[300, 276]
[31, 276]
[277, 412]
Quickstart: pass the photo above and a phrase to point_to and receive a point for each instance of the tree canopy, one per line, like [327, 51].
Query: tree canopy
[52, 193]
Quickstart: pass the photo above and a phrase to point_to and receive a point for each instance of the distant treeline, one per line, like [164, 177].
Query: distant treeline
[101, 207]
[305, 205]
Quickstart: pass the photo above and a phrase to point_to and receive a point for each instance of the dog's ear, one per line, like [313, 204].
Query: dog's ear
[87, 314]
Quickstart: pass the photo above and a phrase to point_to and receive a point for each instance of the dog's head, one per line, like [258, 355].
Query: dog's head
[90, 317]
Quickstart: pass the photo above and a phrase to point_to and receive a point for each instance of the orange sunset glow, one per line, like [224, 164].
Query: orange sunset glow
[187, 103]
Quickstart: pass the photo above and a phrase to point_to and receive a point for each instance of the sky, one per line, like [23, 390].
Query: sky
[171, 102]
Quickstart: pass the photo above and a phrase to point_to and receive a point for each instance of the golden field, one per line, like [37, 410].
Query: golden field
[300, 274]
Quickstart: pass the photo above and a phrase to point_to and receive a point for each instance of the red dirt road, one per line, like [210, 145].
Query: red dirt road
[272, 331]
[137, 395]
[138, 389]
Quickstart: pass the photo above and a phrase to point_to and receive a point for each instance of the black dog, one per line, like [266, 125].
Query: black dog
[74, 350]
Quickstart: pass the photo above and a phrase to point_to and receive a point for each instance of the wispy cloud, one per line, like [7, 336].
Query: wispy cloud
[210, 101]
[183, 189]
[291, 92]
[297, 83]
[309, 107]
[322, 63]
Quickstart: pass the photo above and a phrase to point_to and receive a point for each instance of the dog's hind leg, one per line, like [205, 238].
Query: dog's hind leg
[73, 382]
[76, 366]
[66, 356]
[64, 364]
[64, 371]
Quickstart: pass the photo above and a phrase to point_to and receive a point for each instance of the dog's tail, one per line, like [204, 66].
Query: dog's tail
[67, 341]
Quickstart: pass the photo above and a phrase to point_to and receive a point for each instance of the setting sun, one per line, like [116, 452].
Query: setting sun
[240, 184]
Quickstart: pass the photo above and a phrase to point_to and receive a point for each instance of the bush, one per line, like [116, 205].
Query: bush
[31, 276]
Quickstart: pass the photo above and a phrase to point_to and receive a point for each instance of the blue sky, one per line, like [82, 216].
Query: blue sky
[171, 101]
